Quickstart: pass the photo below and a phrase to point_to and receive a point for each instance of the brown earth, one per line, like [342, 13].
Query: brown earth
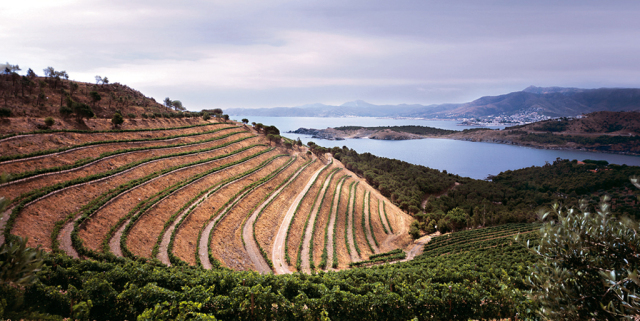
[19, 187]
[185, 244]
[323, 183]
[115, 96]
[95, 229]
[297, 223]
[18, 125]
[376, 224]
[212, 183]
[226, 243]
[145, 232]
[367, 223]
[26, 144]
[71, 156]
[323, 218]
[359, 235]
[333, 221]
[341, 246]
[267, 225]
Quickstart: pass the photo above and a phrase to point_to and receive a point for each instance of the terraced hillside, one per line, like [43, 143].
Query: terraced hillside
[212, 194]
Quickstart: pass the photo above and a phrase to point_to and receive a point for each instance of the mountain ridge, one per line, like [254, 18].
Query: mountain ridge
[547, 101]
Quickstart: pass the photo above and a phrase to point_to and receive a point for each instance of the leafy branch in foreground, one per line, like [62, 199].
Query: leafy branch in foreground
[589, 267]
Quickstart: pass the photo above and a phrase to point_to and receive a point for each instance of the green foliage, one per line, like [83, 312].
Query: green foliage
[65, 111]
[49, 121]
[19, 263]
[478, 285]
[552, 125]
[185, 310]
[82, 110]
[205, 116]
[245, 121]
[117, 119]
[5, 112]
[589, 265]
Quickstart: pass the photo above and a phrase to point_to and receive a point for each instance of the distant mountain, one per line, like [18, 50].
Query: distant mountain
[349, 109]
[550, 101]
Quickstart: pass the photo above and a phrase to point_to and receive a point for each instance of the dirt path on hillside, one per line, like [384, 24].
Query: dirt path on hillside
[279, 264]
[114, 242]
[383, 217]
[306, 266]
[367, 223]
[248, 230]
[203, 245]
[332, 223]
[350, 237]
[417, 246]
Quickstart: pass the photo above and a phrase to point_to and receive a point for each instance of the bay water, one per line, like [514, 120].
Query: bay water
[470, 159]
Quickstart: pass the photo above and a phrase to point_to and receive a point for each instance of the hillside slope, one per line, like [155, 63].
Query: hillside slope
[199, 192]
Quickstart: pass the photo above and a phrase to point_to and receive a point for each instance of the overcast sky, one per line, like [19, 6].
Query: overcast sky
[239, 53]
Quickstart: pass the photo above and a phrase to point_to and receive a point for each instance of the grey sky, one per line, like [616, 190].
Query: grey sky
[286, 53]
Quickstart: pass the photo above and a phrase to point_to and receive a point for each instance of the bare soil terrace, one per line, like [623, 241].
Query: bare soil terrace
[341, 219]
[26, 144]
[29, 124]
[144, 234]
[359, 235]
[268, 223]
[16, 188]
[71, 156]
[226, 244]
[297, 223]
[186, 241]
[95, 229]
[38, 218]
[322, 220]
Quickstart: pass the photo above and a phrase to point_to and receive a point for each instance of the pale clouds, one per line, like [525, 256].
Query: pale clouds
[283, 53]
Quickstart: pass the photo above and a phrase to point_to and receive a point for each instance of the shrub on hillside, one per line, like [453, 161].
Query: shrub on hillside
[49, 121]
[65, 111]
[117, 119]
[5, 112]
[205, 116]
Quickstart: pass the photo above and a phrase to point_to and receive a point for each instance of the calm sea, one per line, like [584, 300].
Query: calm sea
[476, 160]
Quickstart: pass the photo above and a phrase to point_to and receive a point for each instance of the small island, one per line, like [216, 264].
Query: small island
[605, 131]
